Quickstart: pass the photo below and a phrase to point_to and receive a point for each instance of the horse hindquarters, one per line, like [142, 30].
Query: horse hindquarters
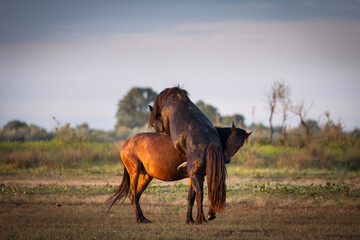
[135, 180]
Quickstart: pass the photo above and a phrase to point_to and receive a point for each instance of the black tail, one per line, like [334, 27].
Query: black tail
[122, 191]
[216, 177]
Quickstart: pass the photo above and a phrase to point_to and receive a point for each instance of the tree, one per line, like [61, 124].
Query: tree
[301, 111]
[237, 118]
[279, 91]
[19, 131]
[283, 94]
[133, 108]
[209, 111]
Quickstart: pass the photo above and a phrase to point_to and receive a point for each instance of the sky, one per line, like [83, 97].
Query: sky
[76, 59]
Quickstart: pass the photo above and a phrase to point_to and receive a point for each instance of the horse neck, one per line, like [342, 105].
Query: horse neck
[224, 134]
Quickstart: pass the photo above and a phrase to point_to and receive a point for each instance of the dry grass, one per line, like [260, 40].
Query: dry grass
[78, 215]
[242, 220]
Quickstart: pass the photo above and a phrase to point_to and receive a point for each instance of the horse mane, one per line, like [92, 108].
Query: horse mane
[162, 97]
[224, 133]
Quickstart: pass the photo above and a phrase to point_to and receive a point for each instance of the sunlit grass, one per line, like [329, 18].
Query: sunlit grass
[253, 160]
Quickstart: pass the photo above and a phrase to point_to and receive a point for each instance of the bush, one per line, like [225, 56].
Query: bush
[57, 154]
[255, 155]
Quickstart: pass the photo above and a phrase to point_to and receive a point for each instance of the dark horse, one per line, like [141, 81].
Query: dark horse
[193, 135]
[152, 155]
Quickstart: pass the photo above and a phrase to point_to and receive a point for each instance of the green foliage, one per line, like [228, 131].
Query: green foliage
[58, 156]
[19, 131]
[82, 133]
[236, 118]
[255, 155]
[210, 112]
[133, 110]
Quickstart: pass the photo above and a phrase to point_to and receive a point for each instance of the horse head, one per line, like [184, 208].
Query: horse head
[157, 119]
[234, 142]
[157, 124]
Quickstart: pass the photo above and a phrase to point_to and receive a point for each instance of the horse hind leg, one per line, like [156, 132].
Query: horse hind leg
[143, 182]
[191, 199]
[198, 183]
[135, 172]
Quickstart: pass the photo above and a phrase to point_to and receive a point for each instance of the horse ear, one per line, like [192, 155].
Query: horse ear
[151, 108]
[233, 128]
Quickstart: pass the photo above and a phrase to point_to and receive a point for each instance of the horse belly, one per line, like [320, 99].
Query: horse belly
[164, 167]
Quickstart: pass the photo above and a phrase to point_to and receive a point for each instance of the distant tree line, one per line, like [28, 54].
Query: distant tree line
[20, 131]
[133, 112]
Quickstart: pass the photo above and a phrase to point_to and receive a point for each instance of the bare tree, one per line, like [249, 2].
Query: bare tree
[279, 92]
[285, 109]
[285, 106]
[301, 111]
[272, 98]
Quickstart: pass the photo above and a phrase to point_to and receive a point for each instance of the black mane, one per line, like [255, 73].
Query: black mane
[224, 134]
[161, 98]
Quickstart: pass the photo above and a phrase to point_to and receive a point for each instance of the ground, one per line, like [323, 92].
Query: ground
[73, 207]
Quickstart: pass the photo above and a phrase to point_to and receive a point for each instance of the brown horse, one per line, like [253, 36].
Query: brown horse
[152, 155]
[194, 135]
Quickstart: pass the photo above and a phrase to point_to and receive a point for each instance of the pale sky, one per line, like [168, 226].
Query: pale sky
[76, 59]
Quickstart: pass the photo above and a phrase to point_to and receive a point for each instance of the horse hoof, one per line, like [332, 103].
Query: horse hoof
[212, 217]
[144, 221]
[190, 221]
[198, 222]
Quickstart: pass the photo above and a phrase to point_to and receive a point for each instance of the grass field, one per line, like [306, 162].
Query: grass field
[57, 190]
[61, 207]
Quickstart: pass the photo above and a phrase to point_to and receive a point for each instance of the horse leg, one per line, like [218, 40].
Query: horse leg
[202, 196]
[198, 182]
[133, 195]
[143, 182]
[191, 199]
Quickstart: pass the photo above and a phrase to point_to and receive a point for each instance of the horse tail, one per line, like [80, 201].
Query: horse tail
[216, 176]
[122, 191]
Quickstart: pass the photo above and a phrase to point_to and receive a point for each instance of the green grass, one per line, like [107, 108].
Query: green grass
[344, 158]
[242, 171]
[172, 191]
[49, 158]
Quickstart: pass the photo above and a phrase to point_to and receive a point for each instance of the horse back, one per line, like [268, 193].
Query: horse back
[189, 127]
